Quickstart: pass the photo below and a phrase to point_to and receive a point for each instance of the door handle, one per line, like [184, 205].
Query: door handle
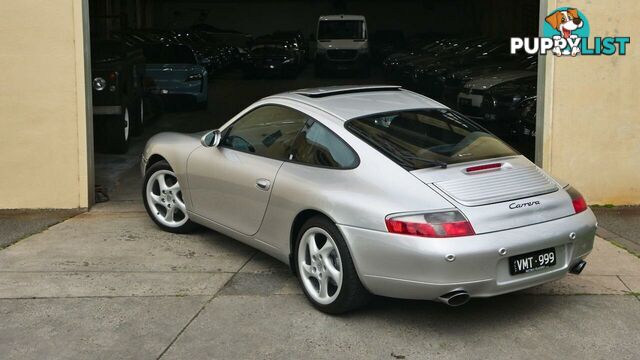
[263, 184]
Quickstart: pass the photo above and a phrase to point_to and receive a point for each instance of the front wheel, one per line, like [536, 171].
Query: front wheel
[162, 196]
[325, 268]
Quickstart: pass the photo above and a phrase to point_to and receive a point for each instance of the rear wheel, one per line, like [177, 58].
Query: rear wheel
[118, 131]
[325, 268]
[162, 196]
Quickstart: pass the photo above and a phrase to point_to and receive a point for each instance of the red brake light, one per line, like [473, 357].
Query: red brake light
[483, 167]
[437, 225]
[579, 204]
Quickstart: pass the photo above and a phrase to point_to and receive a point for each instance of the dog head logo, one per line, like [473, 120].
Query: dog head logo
[565, 21]
[567, 27]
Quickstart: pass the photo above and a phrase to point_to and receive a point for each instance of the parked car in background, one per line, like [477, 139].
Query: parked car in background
[458, 213]
[455, 80]
[500, 103]
[117, 69]
[342, 45]
[272, 58]
[526, 118]
[430, 78]
[386, 42]
[471, 98]
[297, 40]
[172, 74]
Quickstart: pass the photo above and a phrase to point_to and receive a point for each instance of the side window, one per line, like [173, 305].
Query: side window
[317, 145]
[266, 131]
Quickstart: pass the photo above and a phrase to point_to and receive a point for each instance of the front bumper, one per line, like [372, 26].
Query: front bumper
[411, 267]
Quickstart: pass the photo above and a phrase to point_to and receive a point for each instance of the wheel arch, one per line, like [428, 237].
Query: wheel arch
[155, 158]
[296, 225]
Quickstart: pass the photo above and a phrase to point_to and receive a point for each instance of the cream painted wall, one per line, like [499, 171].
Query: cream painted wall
[43, 134]
[592, 109]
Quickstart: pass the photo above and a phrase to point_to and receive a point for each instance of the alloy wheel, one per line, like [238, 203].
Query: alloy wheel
[164, 198]
[320, 265]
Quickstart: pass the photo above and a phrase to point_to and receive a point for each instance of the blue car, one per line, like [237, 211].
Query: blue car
[172, 73]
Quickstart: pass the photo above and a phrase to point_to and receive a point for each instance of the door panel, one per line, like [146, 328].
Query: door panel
[231, 187]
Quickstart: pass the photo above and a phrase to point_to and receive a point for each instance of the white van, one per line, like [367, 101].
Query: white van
[342, 44]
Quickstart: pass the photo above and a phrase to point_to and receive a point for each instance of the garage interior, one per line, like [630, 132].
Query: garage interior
[222, 34]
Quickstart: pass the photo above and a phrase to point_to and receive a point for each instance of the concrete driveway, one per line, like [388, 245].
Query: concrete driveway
[109, 284]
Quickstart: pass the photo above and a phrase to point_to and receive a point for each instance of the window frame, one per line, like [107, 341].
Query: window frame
[289, 158]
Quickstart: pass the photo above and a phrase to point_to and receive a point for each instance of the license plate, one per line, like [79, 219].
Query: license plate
[533, 261]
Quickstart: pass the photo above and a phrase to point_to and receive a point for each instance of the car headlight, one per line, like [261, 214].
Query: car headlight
[99, 83]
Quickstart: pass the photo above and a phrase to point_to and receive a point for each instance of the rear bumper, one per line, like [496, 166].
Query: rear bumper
[415, 268]
[195, 89]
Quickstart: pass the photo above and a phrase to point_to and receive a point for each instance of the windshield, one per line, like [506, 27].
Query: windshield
[417, 139]
[341, 29]
[169, 54]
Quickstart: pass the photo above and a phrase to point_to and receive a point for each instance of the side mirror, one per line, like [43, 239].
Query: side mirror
[211, 138]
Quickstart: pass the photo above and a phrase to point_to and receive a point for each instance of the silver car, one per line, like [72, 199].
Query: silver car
[371, 190]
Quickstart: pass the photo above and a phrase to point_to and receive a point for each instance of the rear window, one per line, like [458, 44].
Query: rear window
[418, 139]
[169, 54]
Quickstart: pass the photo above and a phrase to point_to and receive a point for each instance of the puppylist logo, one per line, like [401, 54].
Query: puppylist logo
[566, 32]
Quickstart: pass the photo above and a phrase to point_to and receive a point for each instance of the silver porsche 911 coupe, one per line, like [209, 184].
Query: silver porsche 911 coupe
[372, 190]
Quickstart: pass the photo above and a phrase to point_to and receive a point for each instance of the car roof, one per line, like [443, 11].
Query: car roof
[352, 101]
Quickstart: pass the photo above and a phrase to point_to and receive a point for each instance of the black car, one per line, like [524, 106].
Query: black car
[271, 59]
[430, 78]
[118, 108]
[455, 79]
[524, 124]
[501, 104]
[295, 39]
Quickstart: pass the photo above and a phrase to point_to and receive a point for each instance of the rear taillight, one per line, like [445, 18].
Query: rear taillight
[437, 225]
[579, 204]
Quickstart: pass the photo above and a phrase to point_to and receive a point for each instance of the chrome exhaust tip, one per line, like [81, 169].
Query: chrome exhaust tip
[577, 268]
[455, 298]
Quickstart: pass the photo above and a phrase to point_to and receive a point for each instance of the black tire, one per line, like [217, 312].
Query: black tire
[188, 226]
[352, 294]
[137, 116]
[118, 132]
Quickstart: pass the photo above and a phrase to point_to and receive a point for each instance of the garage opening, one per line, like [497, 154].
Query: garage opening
[189, 66]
